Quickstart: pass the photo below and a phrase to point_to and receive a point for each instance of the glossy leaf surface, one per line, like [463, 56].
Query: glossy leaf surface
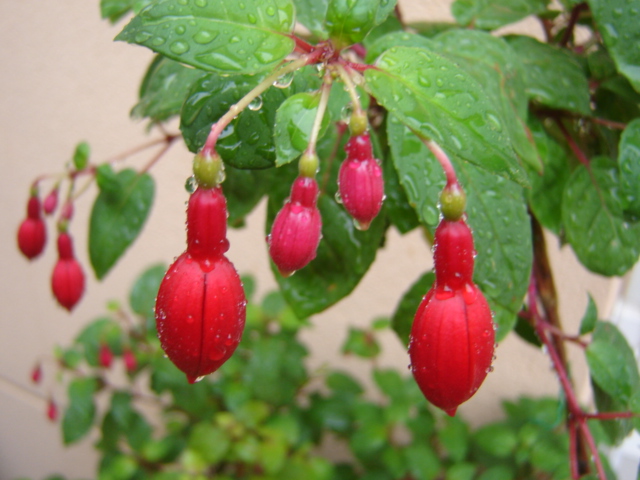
[216, 35]
[440, 101]
[489, 15]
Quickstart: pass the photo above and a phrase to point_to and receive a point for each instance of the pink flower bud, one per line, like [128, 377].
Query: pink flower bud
[105, 356]
[296, 230]
[451, 346]
[51, 202]
[52, 410]
[454, 254]
[360, 181]
[67, 280]
[130, 362]
[36, 373]
[32, 234]
[201, 306]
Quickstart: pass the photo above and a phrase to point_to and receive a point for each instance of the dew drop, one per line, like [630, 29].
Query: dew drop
[271, 11]
[180, 29]
[191, 184]
[142, 37]
[157, 41]
[179, 47]
[284, 80]
[252, 19]
[255, 104]
[201, 3]
[204, 37]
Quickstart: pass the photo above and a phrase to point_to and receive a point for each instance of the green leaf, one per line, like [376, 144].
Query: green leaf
[294, 122]
[618, 24]
[248, 140]
[210, 441]
[440, 101]
[547, 188]
[343, 384]
[402, 319]
[78, 417]
[612, 364]
[164, 89]
[114, 10]
[244, 189]
[629, 164]
[116, 220]
[489, 15]
[454, 437]
[525, 330]
[553, 77]
[422, 461]
[496, 439]
[344, 256]
[142, 298]
[592, 212]
[216, 35]
[590, 317]
[462, 471]
[349, 21]
[396, 39]
[81, 156]
[361, 343]
[501, 227]
[96, 333]
[495, 65]
[311, 14]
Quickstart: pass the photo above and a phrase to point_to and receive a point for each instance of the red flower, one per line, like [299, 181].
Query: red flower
[296, 230]
[452, 337]
[130, 361]
[52, 410]
[360, 181]
[67, 280]
[32, 234]
[36, 373]
[200, 307]
[51, 202]
[105, 356]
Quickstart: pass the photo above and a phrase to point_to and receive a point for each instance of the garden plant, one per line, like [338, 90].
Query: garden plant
[352, 120]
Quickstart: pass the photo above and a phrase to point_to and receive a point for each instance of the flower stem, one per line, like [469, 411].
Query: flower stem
[325, 90]
[445, 162]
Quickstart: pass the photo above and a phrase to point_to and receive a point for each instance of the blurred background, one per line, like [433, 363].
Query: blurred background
[64, 80]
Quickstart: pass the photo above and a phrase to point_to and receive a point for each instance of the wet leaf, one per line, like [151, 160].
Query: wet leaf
[216, 35]
[489, 15]
[117, 218]
[592, 213]
[440, 101]
[553, 77]
[142, 297]
[311, 14]
[590, 317]
[349, 21]
[629, 164]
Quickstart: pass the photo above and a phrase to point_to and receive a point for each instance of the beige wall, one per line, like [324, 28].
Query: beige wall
[64, 80]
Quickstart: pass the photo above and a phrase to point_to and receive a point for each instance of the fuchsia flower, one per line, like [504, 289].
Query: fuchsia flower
[51, 202]
[67, 280]
[130, 361]
[200, 307]
[360, 181]
[32, 234]
[296, 230]
[105, 356]
[452, 339]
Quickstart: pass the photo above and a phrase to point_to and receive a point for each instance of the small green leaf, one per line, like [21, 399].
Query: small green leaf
[361, 343]
[311, 14]
[588, 322]
[592, 213]
[164, 89]
[142, 298]
[618, 25]
[223, 35]
[440, 101]
[462, 471]
[78, 417]
[488, 15]
[553, 77]
[96, 333]
[389, 382]
[81, 156]
[396, 39]
[349, 21]
[454, 437]
[294, 122]
[210, 441]
[343, 384]
[114, 10]
[629, 164]
[612, 364]
[496, 439]
[402, 319]
[116, 220]
[422, 461]
[525, 330]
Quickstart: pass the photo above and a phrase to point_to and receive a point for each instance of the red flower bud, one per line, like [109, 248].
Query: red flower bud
[200, 307]
[452, 337]
[451, 345]
[32, 234]
[130, 361]
[36, 373]
[105, 356]
[296, 230]
[67, 280]
[360, 182]
[51, 202]
[454, 254]
[52, 410]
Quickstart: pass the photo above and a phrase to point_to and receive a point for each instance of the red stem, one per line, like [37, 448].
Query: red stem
[580, 155]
